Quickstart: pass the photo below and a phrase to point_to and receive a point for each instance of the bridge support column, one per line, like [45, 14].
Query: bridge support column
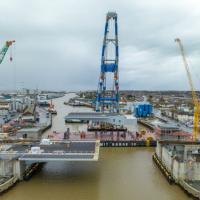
[159, 150]
[19, 169]
[6, 167]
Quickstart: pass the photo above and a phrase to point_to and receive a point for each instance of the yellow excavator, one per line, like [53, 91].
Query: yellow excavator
[194, 95]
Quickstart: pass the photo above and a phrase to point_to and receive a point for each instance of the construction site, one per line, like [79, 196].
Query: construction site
[167, 123]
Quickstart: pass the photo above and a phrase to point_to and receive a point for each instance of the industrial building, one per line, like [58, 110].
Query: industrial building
[128, 121]
[29, 114]
[31, 133]
[42, 100]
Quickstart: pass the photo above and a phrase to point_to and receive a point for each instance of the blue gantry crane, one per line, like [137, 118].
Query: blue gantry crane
[4, 50]
[109, 99]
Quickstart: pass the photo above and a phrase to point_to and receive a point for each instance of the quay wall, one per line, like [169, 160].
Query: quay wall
[8, 184]
[182, 172]
[189, 189]
[177, 169]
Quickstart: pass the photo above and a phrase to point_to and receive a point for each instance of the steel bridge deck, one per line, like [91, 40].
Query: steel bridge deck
[57, 151]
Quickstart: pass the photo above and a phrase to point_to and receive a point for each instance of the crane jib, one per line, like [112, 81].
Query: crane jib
[4, 50]
[194, 95]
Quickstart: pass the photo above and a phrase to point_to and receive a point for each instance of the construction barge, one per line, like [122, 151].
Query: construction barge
[109, 139]
[128, 143]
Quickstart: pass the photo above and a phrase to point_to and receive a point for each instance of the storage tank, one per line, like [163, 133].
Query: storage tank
[143, 109]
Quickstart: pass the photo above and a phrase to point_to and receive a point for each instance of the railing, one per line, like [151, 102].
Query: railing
[17, 155]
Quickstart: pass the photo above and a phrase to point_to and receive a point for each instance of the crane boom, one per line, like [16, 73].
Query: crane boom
[194, 95]
[5, 49]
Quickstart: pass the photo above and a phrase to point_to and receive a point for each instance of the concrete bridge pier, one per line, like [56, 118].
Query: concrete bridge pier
[6, 167]
[12, 167]
[19, 168]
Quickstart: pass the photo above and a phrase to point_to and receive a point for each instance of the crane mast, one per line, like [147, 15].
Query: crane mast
[109, 64]
[4, 50]
[194, 95]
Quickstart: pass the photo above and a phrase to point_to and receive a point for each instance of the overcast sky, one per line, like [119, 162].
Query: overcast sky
[58, 43]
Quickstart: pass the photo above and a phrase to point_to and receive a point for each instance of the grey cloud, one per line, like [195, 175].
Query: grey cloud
[58, 43]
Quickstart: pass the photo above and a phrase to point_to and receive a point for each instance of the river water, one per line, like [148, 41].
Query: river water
[120, 174]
